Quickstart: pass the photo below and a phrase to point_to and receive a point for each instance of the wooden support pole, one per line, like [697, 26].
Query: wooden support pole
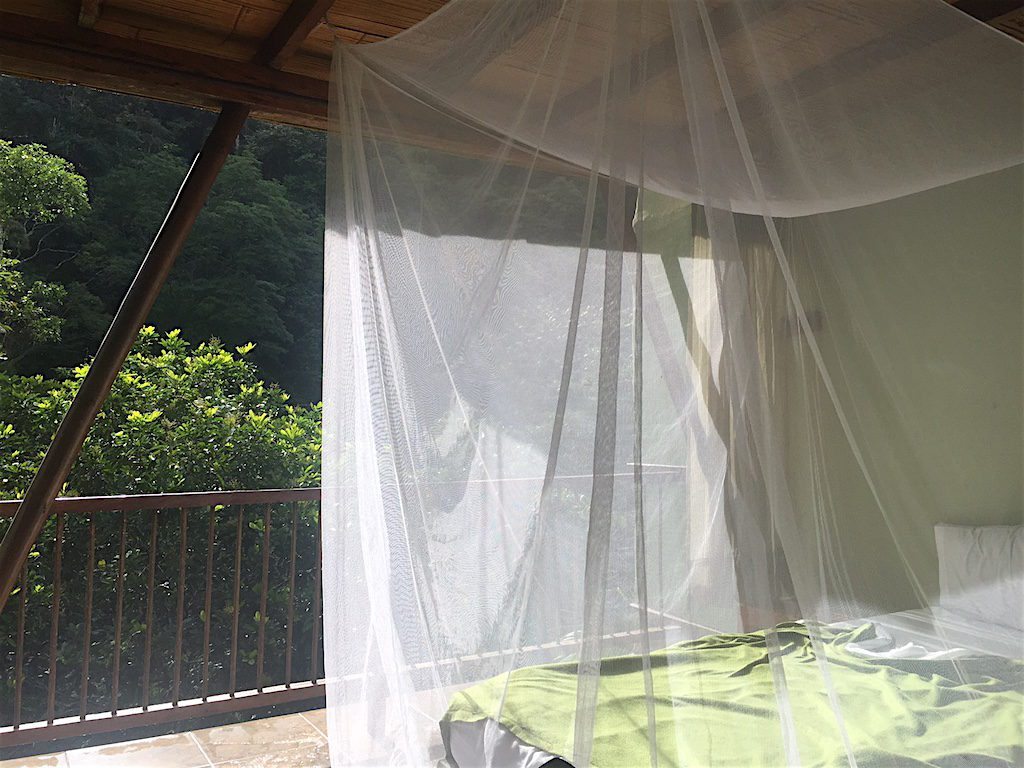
[67, 442]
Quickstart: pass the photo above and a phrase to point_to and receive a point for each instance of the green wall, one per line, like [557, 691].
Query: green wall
[921, 329]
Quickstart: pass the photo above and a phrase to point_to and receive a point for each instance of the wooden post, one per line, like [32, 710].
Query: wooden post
[67, 442]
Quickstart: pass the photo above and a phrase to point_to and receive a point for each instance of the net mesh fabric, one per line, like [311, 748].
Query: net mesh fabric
[659, 335]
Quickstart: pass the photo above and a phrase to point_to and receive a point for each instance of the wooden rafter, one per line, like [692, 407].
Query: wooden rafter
[301, 18]
[885, 49]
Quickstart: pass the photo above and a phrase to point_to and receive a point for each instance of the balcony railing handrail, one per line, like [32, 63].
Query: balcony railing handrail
[244, 514]
[150, 501]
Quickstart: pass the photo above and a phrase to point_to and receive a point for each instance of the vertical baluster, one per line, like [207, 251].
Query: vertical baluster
[264, 587]
[291, 598]
[180, 628]
[83, 696]
[19, 653]
[147, 652]
[58, 548]
[115, 675]
[208, 601]
[314, 656]
[235, 607]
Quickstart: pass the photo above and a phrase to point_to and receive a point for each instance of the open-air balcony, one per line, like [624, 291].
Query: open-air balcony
[162, 629]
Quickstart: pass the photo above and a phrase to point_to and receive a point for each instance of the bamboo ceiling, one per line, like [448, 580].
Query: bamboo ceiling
[205, 52]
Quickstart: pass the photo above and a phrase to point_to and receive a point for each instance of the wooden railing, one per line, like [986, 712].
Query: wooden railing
[122, 618]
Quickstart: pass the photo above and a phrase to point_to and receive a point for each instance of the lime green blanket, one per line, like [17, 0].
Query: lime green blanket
[716, 704]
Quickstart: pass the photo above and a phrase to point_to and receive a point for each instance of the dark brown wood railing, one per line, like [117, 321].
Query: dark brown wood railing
[176, 575]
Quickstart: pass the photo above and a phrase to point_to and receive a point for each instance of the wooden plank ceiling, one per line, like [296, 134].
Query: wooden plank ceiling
[194, 52]
[204, 52]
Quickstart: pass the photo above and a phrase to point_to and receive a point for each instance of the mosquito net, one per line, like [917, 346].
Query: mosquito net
[673, 387]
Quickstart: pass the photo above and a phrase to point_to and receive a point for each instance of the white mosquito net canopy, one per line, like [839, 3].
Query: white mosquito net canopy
[673, 387]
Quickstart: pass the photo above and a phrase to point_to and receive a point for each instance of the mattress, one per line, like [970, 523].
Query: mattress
[488, 744]
[929, 655]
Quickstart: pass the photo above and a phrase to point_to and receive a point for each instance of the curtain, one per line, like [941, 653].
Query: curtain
[673, 387]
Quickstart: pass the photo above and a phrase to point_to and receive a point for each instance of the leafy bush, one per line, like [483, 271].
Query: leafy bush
[179, 418]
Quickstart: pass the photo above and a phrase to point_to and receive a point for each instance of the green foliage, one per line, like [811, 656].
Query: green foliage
[27, 310]
[179, 418]
[272, 247]
[37, 186]
[22, 434]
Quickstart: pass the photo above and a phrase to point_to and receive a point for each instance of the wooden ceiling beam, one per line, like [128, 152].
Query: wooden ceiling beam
[298, 20]
[661, 55]
[515, 27]
[69, 53]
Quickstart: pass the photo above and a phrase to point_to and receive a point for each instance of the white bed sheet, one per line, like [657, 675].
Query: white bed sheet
[937, 633]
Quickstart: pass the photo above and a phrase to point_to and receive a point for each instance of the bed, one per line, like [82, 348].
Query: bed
[942, 686]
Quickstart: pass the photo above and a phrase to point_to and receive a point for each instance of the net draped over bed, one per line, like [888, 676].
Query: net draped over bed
[673, 372]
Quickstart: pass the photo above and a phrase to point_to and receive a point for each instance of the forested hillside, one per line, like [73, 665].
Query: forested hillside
[252, 268]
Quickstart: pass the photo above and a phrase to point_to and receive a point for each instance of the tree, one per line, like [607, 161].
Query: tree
[26, 310]
[250, 270]
[35, 188]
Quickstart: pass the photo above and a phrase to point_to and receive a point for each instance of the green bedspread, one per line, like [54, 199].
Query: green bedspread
[716, 705]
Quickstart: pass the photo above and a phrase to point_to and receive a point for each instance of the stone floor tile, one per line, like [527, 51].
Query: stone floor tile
[52, 760]
[255, 737]
[176, 750]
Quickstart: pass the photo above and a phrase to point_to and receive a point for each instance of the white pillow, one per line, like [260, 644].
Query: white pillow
[981, 572]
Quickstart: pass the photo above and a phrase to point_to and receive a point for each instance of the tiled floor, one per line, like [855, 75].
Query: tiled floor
[287, 741]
